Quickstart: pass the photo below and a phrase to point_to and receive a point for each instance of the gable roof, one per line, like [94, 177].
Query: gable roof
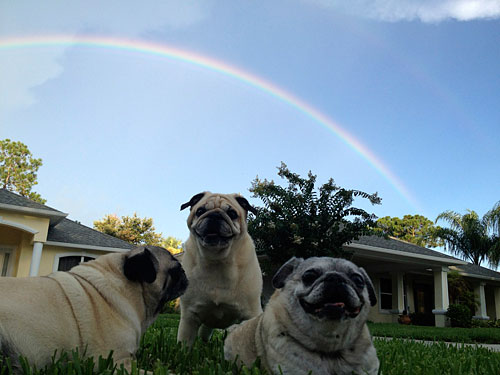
[71, 232]
[62, 231]
[464, 268]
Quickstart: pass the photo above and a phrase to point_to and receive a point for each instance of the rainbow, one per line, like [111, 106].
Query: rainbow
[140, 46]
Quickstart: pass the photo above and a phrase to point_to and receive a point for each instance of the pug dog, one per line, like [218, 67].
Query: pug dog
[98, 306]
[225, 280]
[315, 321]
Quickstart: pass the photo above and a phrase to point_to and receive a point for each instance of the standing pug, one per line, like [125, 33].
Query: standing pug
[102, 305]
[225, 280]
[315, 321]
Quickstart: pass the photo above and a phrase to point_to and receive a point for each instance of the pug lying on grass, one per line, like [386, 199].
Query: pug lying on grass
[315, 321]
[102, 305]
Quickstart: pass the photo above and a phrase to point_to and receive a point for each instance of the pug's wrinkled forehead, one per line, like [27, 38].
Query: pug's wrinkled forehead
[326, 264]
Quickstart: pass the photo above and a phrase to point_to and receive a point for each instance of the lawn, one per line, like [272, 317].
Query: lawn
[462, 335]
[160, 352]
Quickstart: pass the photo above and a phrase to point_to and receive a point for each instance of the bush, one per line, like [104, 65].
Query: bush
[460, 315]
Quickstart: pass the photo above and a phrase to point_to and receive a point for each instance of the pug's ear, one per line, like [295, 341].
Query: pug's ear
[245, 205]
[141, 267]
[195, 199]
[285, 270]
[369, 286]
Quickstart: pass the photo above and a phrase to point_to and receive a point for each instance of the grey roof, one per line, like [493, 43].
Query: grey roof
[403, 246]
[399, 245]
[71, 232]
[8, 197]
[474, 269]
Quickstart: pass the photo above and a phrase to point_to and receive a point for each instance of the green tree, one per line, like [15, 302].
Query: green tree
[172, 244]
[470, 237]
[18, 169]
[133, 229]
[416, 229]
[301, 220]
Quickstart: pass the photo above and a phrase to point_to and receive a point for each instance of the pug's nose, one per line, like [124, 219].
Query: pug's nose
[334, 278]
[214, 215]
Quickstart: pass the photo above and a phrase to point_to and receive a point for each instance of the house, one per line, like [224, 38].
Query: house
[36, 239]
[414, 279]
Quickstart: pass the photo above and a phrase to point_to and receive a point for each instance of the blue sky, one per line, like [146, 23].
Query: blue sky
[416, 83]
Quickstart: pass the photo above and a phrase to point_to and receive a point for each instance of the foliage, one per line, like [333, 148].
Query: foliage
[18, 169]
[460, 315]
[460, 291]
[300, 220]
[416, 229]
[133, 229]
[449, 334]
[471, 238]
[172, 244]
[160, 354]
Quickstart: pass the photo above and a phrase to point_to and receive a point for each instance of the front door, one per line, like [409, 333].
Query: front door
[5, 261]
[424, 298]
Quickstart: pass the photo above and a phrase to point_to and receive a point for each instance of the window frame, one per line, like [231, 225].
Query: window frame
[81, 254]
[380, 293]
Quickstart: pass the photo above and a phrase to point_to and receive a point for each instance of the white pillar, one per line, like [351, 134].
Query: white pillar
[400, 305]
[497, 302]
[481, 309]
[441, 301]
[35, 258]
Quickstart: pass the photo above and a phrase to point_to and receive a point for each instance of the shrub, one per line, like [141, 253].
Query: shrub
[460, 315]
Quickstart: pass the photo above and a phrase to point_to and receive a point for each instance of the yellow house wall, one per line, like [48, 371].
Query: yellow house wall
[40, 224]
[49, 254]
[375, 314]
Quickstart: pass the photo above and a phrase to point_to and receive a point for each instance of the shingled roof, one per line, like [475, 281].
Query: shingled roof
[399, 245]
[61, 229]
[71, 232]
[13, 199]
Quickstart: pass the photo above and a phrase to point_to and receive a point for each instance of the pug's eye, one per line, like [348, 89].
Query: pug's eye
[310, 277]
[200, 211]
[232, 214]
[358, 280]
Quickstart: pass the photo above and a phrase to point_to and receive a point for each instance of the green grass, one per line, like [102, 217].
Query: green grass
[160, 353]
[461, 335]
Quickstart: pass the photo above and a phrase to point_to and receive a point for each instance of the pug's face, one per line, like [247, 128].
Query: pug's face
[216, 220]
[160, 273]
[326, 294]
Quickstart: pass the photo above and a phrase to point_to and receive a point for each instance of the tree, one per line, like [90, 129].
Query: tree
[300, 220]
[133, 229]
[172, 244]
[416, 229]
[470, 237]
[18, 169]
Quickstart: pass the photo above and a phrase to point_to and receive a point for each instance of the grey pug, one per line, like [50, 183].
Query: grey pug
[102, 305]
[315, 321]
[225, 280]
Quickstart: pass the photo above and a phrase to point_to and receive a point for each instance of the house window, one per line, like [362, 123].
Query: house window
[5, 261]
[385, 294]
[68, 262]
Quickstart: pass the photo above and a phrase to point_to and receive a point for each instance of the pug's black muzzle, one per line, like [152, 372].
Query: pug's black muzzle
[215, 230]
[336, 300]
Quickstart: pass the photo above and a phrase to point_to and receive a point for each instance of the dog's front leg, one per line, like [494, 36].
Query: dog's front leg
[188, 328]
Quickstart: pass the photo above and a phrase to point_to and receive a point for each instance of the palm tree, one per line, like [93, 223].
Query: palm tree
[471, 238]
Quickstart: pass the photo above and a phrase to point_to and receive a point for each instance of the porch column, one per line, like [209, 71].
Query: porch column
[441, 301]
[400, 296]
[497, 302]
[481, 309]
[35, 258]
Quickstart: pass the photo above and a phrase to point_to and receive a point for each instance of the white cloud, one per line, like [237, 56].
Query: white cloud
[423, 10]
[22, 70]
